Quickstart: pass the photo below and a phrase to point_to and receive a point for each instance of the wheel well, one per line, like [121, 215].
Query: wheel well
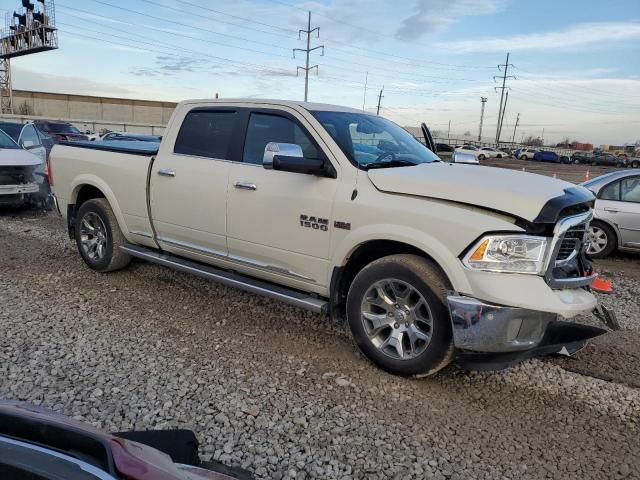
[363, 255]
[86, 192]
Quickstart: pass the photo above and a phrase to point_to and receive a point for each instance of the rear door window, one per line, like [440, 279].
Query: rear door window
[206, 133]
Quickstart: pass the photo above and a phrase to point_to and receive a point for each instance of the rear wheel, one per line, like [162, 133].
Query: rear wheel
[602, 240]
[99, 238]
[576, 161]
[398, 316]
[635, 164]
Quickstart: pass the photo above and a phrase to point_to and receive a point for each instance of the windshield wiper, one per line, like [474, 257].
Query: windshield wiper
[390, 163]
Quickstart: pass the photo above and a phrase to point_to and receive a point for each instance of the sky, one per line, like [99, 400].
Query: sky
[575, 64]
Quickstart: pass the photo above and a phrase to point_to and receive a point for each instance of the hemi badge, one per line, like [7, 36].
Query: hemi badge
[343, 225]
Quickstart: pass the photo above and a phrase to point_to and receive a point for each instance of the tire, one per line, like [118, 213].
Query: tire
[481, 157]
[576, 162]
[410, 279]
[103, 254]
[601, 232]
[635, 164]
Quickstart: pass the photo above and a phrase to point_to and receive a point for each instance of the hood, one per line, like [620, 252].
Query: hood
[529, 196]
[17, 157]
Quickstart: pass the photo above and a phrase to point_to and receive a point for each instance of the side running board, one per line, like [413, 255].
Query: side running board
[231, 279]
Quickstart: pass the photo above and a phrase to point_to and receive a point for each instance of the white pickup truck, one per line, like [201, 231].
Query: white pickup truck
[346, 214]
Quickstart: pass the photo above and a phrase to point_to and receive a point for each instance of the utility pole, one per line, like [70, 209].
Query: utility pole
[449, 130]
[484, 101]
[543, 136]
[504, 109]
[513, 139]
[503, 88]
[380, 97]
[307, 51]
[364, 97]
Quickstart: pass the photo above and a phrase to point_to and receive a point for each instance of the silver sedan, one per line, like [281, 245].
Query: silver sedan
[616, 223]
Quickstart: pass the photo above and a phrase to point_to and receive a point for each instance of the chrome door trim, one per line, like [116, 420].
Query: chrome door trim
[141, 234]
[215, 254]
[191, 246]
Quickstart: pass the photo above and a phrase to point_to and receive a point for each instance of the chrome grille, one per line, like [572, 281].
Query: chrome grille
[566, 263]
[571, 243]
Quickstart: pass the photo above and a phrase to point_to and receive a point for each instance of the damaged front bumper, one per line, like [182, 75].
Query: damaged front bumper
[492, 337]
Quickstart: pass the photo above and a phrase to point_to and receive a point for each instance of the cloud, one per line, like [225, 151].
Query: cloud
[435, 15]
[574, 36]
[167, 65]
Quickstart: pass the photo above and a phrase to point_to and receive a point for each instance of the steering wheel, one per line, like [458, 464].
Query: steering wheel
[385, 156]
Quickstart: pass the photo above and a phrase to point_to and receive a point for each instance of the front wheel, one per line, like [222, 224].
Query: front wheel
[481, 157]
[397, 314]
[99, 238]
[635, 164]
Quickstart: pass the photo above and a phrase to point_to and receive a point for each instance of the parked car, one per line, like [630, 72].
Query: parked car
[443, 147]
[549, 156]
[21, 174]
[609, 160]
[131, 137]
[29, 138]
[346, 214]
[616, 223]
[494, 152]
[473, 150]
[526, 154]
[582, 157]
[60, 131]
[39, 444]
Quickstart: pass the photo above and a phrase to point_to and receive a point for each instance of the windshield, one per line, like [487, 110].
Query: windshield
[61, 128]
[374, 142]
[7, 142]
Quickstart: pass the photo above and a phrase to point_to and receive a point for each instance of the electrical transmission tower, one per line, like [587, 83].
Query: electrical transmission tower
[307, 51]
[31, 29]
[380, 97]
[504, 87]
[513, 139]
[483, 100]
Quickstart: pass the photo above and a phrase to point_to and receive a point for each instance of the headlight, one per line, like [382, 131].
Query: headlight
[508, 253]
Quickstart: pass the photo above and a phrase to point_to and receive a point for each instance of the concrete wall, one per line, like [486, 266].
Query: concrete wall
[88, 109]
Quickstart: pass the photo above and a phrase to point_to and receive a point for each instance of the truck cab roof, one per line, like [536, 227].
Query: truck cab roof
[310, 106]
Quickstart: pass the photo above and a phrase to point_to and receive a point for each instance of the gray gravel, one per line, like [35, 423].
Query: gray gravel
[280, 391]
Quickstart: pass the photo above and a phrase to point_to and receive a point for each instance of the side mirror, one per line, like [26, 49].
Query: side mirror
[28, 144]
[288, 157]
[460, 157]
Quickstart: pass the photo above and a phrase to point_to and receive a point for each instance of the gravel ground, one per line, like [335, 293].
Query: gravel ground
[284, 393]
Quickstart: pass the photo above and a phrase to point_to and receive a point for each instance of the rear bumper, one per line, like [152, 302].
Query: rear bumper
[20, 189]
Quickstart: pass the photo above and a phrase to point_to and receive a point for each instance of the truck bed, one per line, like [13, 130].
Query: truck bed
[119, 146]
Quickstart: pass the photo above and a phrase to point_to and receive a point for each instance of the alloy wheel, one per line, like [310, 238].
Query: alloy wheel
[397, 319]
[93, 236]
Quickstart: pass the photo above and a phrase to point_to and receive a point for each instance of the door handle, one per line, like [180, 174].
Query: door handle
[167, 172]
[246, 186]
[611, 210]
